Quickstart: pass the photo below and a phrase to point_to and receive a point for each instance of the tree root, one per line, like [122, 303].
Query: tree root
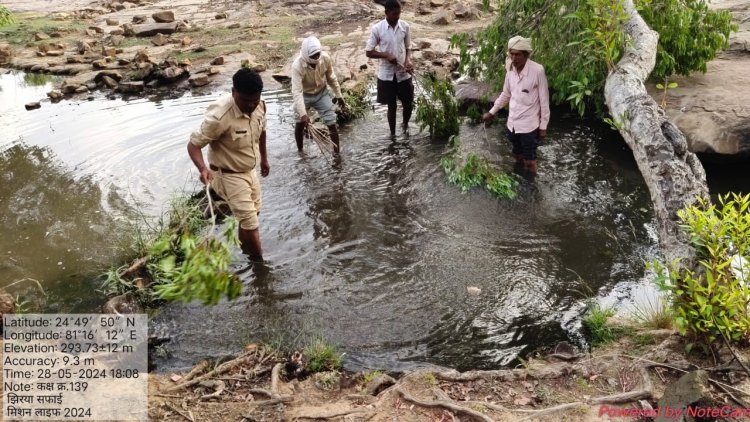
[449, 405]
[179, 412]
[224, 367]
[555, 370]
[197, 370]
[328, 414]
[275, 374]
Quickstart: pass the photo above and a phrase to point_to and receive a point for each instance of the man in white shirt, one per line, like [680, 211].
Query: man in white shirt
[312, 73]
[392, 38]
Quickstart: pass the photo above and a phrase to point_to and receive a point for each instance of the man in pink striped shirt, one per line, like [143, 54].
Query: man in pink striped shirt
[525, 88]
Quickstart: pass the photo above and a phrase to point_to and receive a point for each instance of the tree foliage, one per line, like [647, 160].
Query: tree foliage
[437, 107]
[6, 18]
[579, 42]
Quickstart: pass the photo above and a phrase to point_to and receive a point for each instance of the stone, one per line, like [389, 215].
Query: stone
[96, 29]
[109, 82]
[33, 106]
[116, 40]
[109, 51]
[428, 54]
[691, 389]
[123, 304]
[90, 32]
[260, 68]
[99, 64]
[113, 74]
[75, 59]
[143, 71]
[437, 3]
[7, 304]
[474, 92]
[185, 62]
[55, 95]
[38, 68]
[83, 47]
[198, 80]
[443, 18]
[213, 70]
[130, 87]
[165, 16]
[44, 47]
[56, 34]
[218, 61]
[172, 74]
[81, 89]
[222, 15]
[6, 53]
[148, 30]
[234, 26]
[141, 57]
[69, 88]
[140, 19]
[423, 10]
[41, 36]
[186, 41]
[41, 54]
[462, 12]
[117, 31]
[112, 22]
[159, 40]
[55, 53]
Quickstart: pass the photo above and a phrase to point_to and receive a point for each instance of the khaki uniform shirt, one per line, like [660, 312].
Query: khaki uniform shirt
[233, 136]
[309, 80]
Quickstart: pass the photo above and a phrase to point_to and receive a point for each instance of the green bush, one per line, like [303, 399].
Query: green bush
[437, 107]
[710, 302]
[322, 356]
[595, 323]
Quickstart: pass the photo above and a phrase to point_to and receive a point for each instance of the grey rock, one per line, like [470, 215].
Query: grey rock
[474, 92]
[41, 36]
[33, 106]
[109, 51]
[443, 18]
[55, 95]
[109, 82]
[130, 87]
[165, 16]
[172, 74]
[260, 68]
[99, 64]
[81, 89]
[143, 71]
[148, 30]
[222, 15]
[140, 19]
[111, 74]
[218, 61]
[83, 47]
[116, 40]
[55, 53]
[122, 304]
[159, 40]
[96, 29]
[112, 22]
[234, 26]
[690, 390]
[117, 31]
[198, 80]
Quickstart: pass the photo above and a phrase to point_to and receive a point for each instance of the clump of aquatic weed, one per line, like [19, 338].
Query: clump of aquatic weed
[356, 102]
[322, 356]
[475, 172]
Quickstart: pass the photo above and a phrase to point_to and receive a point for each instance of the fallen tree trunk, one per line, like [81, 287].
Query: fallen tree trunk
[674, 176]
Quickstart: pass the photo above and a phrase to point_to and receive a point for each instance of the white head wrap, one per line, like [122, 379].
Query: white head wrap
[520, 43]
[310, 46]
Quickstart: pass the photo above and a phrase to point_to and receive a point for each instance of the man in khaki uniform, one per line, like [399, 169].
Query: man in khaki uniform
[312, 73]
[235, 129]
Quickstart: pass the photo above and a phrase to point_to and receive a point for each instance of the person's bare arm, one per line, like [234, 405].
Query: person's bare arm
[265, 168]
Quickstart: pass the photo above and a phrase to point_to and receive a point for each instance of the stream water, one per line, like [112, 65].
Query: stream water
[374, 254]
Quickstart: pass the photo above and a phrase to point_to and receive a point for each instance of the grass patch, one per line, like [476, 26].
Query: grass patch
[368, 376]
[653, 313]
[595, 322]
[21, 32]
[322, 356]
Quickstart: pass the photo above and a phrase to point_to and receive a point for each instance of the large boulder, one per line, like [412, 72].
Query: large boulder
[474, 92]
[165, 16]
[148, 30]
[690, 390]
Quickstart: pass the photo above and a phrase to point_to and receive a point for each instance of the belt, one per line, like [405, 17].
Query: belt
[223, 170]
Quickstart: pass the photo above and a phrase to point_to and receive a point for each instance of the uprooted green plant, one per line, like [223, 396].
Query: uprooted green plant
[437, 107]
[356, 102]
[710, 302]
[183, 260]
[475, 172]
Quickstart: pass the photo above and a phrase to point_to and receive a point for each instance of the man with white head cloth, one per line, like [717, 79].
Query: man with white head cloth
[526, 90]
[312, 73]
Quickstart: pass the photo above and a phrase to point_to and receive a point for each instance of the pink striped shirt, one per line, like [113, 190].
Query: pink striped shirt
[528, 96]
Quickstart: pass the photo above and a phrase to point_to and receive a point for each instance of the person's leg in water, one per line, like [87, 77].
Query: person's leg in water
[405, 93]
[333, 130]
[250, 243]
[299, 131]
[392, 117]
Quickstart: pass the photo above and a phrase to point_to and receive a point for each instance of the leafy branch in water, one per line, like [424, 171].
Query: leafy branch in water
[184, 260]
[475, 172]
[437, 107]
[356, 100]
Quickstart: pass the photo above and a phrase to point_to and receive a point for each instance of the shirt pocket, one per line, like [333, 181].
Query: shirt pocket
[525, 93]
[241, 138]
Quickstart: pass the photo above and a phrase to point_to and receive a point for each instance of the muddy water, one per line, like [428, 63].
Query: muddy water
[375, 253]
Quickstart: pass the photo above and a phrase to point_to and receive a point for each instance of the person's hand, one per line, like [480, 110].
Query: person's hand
[542, 134]
[408, 66]
[206, 175]
[487, 117]
[265, 168]
[305, 120]
[340, 101]
[392, 59]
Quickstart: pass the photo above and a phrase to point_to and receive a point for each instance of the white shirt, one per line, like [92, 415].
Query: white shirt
[394, 41]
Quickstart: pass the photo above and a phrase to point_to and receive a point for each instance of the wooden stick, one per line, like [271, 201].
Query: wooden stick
[224, 367]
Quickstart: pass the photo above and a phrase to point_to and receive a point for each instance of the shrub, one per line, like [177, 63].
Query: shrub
[710, 301]
[595, 323]
[437, 107]
[475, 172]
[322, 356]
